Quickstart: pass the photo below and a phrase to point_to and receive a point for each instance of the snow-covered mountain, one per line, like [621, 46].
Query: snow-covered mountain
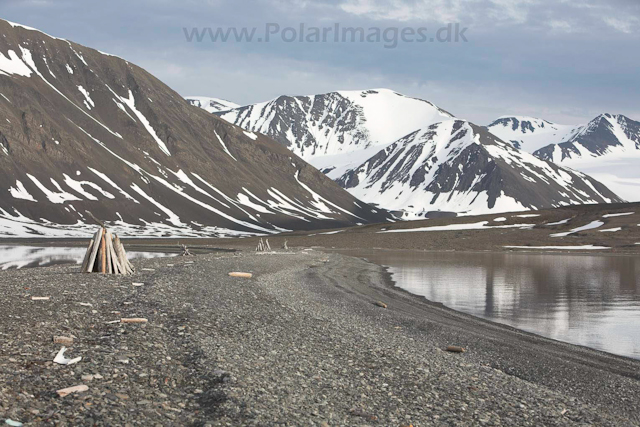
[336, 130]
[211, 105]
[457, 166]
[605, 135]
[406, 154]
[529, 133]
[607, 148]
[83, 130]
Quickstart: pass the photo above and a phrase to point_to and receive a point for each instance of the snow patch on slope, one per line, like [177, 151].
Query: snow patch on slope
[19, 192]
[131, 103]
[482, 225]
[57, 197]
[591, 226]
[13, 65]
[88, 102]
[224, 146]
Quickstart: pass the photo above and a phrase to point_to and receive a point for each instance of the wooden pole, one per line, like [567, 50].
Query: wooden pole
[117, 268]
[85, 261]
[122, 256]
[97, 221]
[94, 251]
[107, 240]
[103, 253]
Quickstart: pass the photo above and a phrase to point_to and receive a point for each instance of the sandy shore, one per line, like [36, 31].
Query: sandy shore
[300, 343]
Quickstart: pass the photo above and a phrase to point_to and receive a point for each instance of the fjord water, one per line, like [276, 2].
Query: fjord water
[589, 300]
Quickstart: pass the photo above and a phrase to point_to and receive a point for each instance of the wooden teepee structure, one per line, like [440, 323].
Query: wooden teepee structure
[106, 255]
[263, 246]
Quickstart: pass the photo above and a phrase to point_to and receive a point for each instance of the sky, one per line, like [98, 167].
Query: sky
[564, 61]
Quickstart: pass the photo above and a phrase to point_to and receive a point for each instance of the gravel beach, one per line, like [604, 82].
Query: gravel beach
[302, 342]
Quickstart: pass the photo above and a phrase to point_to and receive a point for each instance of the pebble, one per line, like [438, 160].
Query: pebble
[286, 348]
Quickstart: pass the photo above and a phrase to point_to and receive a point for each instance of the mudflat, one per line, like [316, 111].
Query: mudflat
[302, 342]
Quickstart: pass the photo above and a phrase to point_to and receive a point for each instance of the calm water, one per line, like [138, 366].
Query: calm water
[590, 300]
[12, 256]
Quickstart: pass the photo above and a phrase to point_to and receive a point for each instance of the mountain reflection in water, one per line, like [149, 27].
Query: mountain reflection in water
[590, 300]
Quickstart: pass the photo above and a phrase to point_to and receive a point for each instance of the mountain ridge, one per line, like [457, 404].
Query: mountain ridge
[457, 166]
[344, 133]
[607, 148]
[336, 123]
[211, 105]
[82, 130]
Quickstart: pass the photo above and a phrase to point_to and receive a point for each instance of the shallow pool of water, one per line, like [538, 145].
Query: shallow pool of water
[17, 256]
[589, 300]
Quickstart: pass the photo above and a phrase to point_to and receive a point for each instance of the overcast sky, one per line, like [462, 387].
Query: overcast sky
[563, 60]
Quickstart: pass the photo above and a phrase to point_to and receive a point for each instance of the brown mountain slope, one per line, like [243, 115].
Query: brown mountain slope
[82, 130]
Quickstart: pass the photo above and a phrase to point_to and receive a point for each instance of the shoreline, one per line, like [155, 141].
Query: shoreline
[231, 245]
[563, 226]
[301, 342]
[389, 282]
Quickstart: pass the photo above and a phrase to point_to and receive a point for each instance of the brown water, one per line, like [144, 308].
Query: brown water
[589, 300]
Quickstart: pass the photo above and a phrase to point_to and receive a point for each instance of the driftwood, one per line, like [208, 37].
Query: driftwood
[63, 340]
[96, 220]
[108, 261]
[87, 255]
[185, 251]
[455, 349]
[106, 255]
[239, 274]
[263, 246]
[75, 389]
[95, 246]
[103, 253]
[122, 256]
[134, 320]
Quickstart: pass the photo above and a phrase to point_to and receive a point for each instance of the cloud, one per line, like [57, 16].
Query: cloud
[562, 60]
[564, 16]
[627, 25]
[561, 26]
[512, 11]
[399, 10]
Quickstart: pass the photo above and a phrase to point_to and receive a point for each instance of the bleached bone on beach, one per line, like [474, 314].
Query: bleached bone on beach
[61, 360]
